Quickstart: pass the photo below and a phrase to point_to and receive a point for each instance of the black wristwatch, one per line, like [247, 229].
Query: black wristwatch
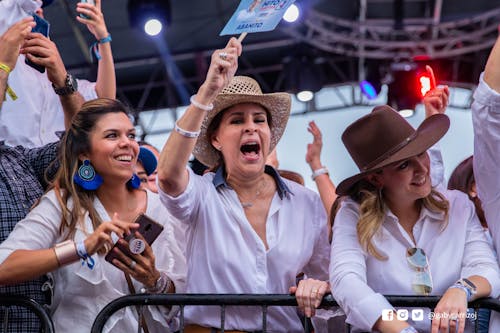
[70, 86]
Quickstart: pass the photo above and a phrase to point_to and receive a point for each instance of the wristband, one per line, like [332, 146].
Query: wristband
[8, 89]
[468, 293]
[94, 49]
[82, 253]
[162, 285]
[318, 172]
[66, 252]
[187, 134]
[203, 107]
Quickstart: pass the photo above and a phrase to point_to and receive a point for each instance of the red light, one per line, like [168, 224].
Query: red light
[425, 84]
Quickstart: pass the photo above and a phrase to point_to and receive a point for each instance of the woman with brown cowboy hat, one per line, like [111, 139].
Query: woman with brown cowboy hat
[397, 235]
[249, 230]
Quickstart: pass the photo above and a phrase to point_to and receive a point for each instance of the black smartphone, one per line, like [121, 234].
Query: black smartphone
[42, 26]
[148, 228]
[86, 1]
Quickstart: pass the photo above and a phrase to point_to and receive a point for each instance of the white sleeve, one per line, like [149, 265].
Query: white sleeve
[361, 304]
[486, 124]
[38, 230]
[437, 166]
[11, 11]
[87, 89]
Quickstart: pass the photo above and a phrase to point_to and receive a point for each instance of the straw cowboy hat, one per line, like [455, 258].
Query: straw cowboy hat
[243, 89]
[383, 137]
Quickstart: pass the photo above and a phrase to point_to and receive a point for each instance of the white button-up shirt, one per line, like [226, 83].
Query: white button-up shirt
[79, 292]
[486, 121]
[226, 256]
[359, 281]
[33, 119]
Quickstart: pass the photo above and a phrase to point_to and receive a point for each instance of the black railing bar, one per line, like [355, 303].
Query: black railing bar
[258, 300]
[36, 308]
[222, 317]
[182, 318]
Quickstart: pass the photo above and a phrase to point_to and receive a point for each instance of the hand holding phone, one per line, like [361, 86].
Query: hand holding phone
[42, 26]
[148, 229]
[86, 1]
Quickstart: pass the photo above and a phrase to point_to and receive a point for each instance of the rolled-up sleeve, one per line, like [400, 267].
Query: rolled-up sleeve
[362, 305]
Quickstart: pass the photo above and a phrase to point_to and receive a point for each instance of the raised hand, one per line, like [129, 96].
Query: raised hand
[95, 22]
[42, 51]
[223, 66]
[436, 101]
[314, 148]
[12, 40]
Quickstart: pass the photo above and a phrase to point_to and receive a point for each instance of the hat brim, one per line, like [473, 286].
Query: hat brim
[428, 133]
[277, 104]
[148, 160]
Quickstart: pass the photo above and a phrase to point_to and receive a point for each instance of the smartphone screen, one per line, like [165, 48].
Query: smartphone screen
[148, 228]
[42, 26]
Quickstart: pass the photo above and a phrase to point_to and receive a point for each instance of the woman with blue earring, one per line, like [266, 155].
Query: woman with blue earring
[91, 204]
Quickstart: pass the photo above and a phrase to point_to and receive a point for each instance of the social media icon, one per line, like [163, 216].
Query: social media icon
[402, 314]
[417, 314]
[388, 314]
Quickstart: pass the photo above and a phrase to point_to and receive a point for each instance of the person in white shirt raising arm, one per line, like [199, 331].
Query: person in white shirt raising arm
[248, 229]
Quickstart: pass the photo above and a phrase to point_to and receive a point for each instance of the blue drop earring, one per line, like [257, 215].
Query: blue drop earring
[134, 182]
[87, 178]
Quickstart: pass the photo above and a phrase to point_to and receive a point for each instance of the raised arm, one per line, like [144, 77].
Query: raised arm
[172, 173]
[320, 174]
[106, 78]
[10, 43]
[42, 51]
[491, 72]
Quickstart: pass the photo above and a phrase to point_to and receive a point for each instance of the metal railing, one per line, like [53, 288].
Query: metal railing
[263, 300]
[9, 300]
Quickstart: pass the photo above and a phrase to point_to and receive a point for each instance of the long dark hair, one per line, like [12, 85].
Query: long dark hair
[76, 141]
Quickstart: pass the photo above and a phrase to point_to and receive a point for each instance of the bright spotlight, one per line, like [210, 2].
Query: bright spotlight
[305, 95]
[406, 113]
[153, 27]
[292, 14]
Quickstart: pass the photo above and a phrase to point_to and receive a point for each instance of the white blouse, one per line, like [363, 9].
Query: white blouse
[79, 292]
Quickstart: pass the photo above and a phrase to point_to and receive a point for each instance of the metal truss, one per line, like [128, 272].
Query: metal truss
[378, 39]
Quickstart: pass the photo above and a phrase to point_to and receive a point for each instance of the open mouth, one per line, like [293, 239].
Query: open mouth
[420, 181]
[250, 149]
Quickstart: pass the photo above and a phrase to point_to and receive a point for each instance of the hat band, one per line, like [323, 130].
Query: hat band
[392, 151]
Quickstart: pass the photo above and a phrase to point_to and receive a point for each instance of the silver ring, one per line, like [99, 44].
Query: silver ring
[132, 265]
[223, 55]
[454, 317]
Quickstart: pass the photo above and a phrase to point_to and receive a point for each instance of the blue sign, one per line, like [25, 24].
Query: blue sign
[256, 16]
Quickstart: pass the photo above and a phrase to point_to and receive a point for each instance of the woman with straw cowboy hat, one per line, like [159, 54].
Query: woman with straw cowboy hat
[249, 230]
[396, 234]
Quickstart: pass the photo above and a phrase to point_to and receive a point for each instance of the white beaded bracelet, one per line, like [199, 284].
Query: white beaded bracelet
[203, 107]
[187, 134]
[318, 172]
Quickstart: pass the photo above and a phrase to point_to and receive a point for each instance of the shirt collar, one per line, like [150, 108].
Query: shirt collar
[424, 213]
[282, 187]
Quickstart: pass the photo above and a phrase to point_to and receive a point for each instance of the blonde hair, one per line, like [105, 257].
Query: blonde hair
[372, 211]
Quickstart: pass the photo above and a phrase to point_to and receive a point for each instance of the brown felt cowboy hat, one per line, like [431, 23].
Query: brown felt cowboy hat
[383, 137]
[243, 89]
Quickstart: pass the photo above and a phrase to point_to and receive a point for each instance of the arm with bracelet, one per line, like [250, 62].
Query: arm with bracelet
[172, 173]
[320, 173]
[100, 51]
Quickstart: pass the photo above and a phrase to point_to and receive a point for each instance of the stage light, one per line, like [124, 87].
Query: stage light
[292, 14]
[305, 96]
[151, 16]
[404, 90]
[368, 89]
[153, 27]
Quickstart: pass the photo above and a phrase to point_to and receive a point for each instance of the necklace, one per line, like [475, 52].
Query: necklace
[248, 204]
